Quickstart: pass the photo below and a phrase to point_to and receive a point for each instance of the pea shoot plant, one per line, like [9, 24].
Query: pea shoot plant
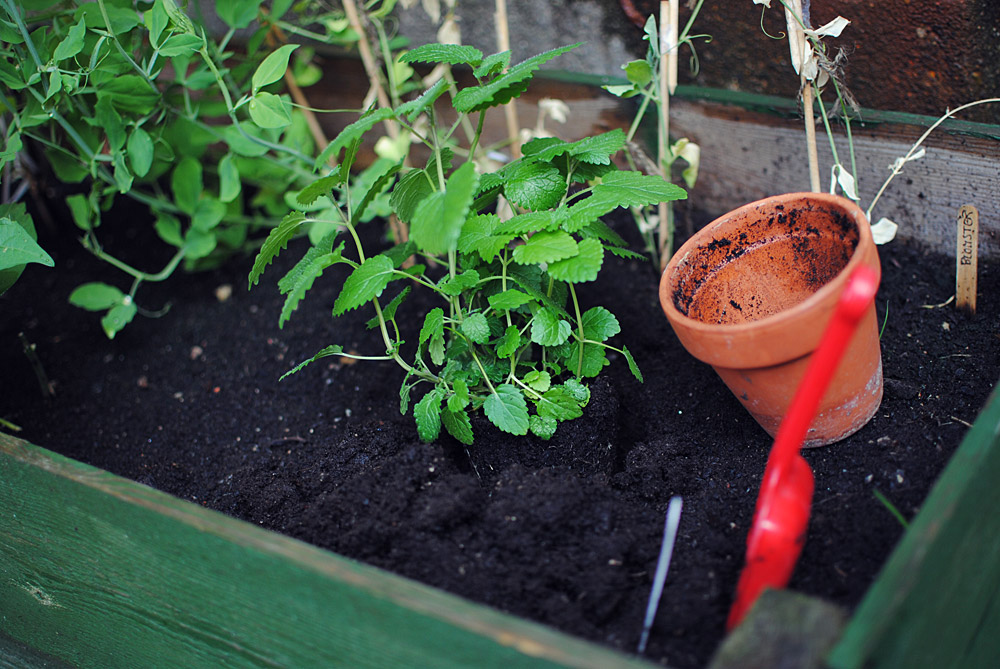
[509, 335]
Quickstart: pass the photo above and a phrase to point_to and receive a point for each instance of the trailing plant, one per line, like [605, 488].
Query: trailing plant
[136, 101]
[509, 335]
[653, 80]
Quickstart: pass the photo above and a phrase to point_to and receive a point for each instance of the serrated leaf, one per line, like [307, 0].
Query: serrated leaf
[538, 380]
[476, 328]
[352, 133]
[272, 68]
[118, 317]
[460, 397]
[460, 283]
[276, 240]
[458, 425]
[410, 110]
[625, 253]
[582, 267]
[389, 310]
[546, 247]
[601, 230]
[319, 188]
[533, 221]
[560, 404]
[427, 414]
[595, 359]
[433, 324]
[505, 87]
[380, 183]
[511, 298]
[412, 188]
[453, 54]
[507, 409]
[596, 150]
[365, 283]
[479, 236]
[577, 391]
[543, 426]
[534, 186]
[599, 324]
[634, 189]
[17, 247]
[510, 342]
[493, 64]
[548, 329]
[322, 353]
[96, 296]
[302, 280]
[438, 220]
[634, 368]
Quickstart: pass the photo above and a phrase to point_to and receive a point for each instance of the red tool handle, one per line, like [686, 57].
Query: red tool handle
[782, 513]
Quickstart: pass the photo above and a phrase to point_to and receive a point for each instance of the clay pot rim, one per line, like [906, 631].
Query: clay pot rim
[827, 292]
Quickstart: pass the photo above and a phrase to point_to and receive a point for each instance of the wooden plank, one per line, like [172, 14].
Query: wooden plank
[935, 603]
[98, 571]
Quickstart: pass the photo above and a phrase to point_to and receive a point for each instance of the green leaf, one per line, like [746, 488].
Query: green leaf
[130, 94]
[186, 184]
[140, 151]
[505, 87]
[169, 229]
[238, 13]
[208, 213]
[534, 186]
[389, 310]
[183, 44]
[479, 236]
[493, 64]
[272, 68]
[559, 404]
[597, 149]
[511, 298]
[418, 105]
[543, 426]
[79, 209]
[18, 247]
[458, 425]
[582, 267]
[319, 188]
[409, 193]
[378, 186]
[123, 178]
[270, 111]
[229, 178]
[432, 332]
[599, 324]
[365, 283]
[302, 280]
[634, 189]
[72, 44]
[275, 242]
[507, 409]
[453, 54]
[577, 391]
[323, 353]
[353, 133]
[240, 139]
[634, 368]
[96, 296]
[476, 328]
[437, 222]
[510, 342]
[460, 283]
[118, 317]
[108, 119]
[460, 397]
[638, 72]
[548, 329]
[198, 243]
[533, 221]
[546, 247]
[427, 413]
[594, 360]
[538, 380]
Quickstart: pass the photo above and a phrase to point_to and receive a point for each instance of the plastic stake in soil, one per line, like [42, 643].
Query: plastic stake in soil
[966, 258]
[662, 566]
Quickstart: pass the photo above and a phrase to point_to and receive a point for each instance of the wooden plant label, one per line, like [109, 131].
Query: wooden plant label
[966, 258]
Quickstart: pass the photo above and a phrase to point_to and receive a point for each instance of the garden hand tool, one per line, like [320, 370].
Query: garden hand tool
[782, 513]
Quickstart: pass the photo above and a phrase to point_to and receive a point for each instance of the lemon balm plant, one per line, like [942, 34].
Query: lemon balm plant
[509, 335]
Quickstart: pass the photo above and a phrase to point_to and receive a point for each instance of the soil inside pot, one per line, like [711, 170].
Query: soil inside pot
[564, 532]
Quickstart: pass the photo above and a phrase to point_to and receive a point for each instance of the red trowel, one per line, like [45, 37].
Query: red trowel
[782, 514]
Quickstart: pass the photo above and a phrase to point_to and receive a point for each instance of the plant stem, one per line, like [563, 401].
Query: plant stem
[579, 322]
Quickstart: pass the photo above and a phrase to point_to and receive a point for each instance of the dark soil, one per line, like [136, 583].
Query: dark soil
[564, 532]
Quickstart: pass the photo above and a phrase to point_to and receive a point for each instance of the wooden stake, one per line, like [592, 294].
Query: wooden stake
[509, 109]
[665, 239]
[966, 258]
[807, 107]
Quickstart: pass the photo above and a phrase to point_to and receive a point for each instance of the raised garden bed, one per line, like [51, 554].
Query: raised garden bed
[563, 532]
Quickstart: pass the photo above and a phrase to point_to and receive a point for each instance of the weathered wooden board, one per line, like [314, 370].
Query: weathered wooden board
[936, 602]
[97, 571]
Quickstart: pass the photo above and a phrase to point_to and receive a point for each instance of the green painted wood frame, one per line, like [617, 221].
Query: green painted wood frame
[98, 571]
[936, 602]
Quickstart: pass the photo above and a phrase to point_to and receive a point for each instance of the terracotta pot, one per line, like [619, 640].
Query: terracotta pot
[752, 292]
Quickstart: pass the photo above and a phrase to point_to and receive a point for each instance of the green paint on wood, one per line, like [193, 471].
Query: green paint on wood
[102, 572]
[936, 602]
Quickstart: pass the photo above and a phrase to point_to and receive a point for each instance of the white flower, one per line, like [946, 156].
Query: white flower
[766, 3]
[884, 231]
